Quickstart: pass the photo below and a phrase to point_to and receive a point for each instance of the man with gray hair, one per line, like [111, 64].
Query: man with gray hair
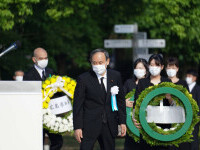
[99, 104]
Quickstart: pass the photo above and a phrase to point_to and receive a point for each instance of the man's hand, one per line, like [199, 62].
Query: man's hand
[136, 124]
[78, 135]
[123, 129]
[129, 103]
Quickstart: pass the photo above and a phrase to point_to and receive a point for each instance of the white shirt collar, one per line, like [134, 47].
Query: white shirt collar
[191, 86]
[39, 70]
[104, 79]
[100, 76]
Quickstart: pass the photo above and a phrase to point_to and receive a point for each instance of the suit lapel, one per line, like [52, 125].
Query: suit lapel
[193, 90]
[96, 85]
[109, 82]
[36, 74]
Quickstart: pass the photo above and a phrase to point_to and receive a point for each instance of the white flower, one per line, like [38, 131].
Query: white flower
[48, 124]
[65, 121]
[61, 126]
[60, 130]
[47, 119]
[44, 111]
[65, 128]
[158, 127]
[48, 111]
[172, 128]
[59, 119]
[114, 90]
[52, 122]
[166, 129]
[57, 124]
[52, 127]
[55, 129]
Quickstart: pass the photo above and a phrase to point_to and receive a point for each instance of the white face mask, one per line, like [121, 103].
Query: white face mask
[154, 70]
[19, 78]
[171, 72]
[188, 80]
[99, 69]
[42, 63]
[139, 73]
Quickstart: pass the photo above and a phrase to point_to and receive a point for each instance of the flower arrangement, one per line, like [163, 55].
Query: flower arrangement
[166, 137]
[50, 86]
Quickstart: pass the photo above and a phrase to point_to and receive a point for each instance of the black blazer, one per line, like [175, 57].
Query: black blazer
[89, 104]
[196, 93]
[145, 83]
[183, 83]
[33, 75]
[129, 85]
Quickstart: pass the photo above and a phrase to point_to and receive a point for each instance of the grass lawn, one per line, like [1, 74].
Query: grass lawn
[71, 144]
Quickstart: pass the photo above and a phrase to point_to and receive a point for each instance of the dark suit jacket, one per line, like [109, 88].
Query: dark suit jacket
[89, 104]
[129, 85]
[33, 75]
[195, 144]
[183, 83]
[196, 94]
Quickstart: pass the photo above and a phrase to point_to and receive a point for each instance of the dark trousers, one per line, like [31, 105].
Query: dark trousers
[105, 139]
[130, 144]
[56, 140]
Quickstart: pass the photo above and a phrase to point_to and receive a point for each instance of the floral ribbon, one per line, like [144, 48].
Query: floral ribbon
[114, 91]
[54, 86]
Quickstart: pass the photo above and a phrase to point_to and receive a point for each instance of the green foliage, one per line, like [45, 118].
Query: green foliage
[70, 29]
[14, 11]
[130, 94]
[177, 21]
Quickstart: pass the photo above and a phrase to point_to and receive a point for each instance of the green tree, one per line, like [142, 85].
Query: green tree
[177, 21]
[14, 11]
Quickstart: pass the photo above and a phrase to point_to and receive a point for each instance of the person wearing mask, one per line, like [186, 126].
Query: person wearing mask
[39, 72]
[194, 89]
[18, 75]
[93, 116]
[156, 65]
[172, 68]
[140, 71]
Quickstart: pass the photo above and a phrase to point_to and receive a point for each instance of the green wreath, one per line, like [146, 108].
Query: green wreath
[131, 129]
[178, 133]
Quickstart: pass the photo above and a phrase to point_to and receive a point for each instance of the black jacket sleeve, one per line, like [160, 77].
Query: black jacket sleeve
[79, 97]
[139, 89]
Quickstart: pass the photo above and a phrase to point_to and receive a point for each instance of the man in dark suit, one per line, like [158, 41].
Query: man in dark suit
[93, 116]
[39, 72]
[194, 89]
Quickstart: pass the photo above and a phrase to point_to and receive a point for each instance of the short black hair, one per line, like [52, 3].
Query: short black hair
[172, 61]
[99, 50]
[192, 72]
[144, 62]
[158, 59]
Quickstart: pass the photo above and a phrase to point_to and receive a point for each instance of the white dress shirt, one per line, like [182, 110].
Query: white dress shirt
[39, 70]
[191, 86]
[104, 79]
